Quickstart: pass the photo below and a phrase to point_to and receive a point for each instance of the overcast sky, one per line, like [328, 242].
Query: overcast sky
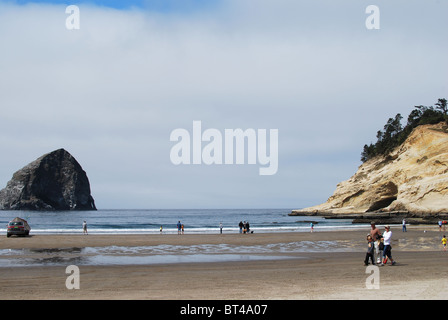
[112, 91]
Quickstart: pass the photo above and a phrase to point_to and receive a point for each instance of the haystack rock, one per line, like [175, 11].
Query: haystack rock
[412, 179]
[55, 181]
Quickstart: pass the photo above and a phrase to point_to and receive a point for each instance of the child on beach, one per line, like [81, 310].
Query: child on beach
[444, 242]
[370, 251]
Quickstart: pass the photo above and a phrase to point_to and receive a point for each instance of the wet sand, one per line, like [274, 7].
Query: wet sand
[319, 265]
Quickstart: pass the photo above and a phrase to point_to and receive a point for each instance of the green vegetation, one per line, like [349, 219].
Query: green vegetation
[395, 134]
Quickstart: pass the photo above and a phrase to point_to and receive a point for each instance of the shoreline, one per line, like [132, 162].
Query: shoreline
[335, 270]
[65, 240]
[199, 231]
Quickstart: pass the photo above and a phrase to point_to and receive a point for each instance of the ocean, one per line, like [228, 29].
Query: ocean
[148, 221]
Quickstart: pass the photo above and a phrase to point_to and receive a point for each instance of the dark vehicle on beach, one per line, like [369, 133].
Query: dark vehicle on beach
[18, 227]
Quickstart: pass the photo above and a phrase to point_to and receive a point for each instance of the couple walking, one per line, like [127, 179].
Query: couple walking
[379, 242]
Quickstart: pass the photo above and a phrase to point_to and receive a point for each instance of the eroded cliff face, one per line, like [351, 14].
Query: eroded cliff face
[413, 178]
[54, 181]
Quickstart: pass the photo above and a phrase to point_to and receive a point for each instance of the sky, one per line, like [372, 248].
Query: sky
[112, 92]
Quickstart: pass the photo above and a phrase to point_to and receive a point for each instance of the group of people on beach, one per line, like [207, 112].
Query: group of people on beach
[180, 228]
[376, 243]
[442, 224]
[244, 227]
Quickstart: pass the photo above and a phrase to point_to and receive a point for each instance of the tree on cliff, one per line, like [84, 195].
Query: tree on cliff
[441, 105]
[394, 134]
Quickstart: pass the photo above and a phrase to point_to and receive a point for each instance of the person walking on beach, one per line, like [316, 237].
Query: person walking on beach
[161, 229]
[220, 227]
[404, 225]
[179, 227]
[387, 253]
[370, 251]
[182, 227]
[84, 227]
[444, 242]
[241, 225]
[312, 227]
[379, 258]
[376, 237]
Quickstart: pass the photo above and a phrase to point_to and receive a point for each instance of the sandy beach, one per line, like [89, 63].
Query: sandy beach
[283, 266]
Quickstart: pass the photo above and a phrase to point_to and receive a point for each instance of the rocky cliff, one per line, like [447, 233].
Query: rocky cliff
[55, 181]
[411, 179]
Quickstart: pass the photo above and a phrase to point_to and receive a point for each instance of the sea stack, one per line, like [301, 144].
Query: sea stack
[55, 181]
[411, 180]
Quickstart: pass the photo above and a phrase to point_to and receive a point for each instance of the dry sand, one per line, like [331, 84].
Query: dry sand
[329, 266]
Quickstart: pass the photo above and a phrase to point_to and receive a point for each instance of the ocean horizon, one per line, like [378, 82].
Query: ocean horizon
[149, 221]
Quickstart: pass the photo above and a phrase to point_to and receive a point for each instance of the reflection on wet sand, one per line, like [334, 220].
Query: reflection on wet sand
[165, 253]
[124, 255]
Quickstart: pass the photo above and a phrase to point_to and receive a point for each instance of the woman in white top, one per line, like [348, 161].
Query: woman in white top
[387, 253]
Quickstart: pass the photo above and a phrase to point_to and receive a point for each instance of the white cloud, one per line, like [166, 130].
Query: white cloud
[112, 92]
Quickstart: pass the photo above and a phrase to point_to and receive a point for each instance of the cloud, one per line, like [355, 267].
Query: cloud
[112, 92]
